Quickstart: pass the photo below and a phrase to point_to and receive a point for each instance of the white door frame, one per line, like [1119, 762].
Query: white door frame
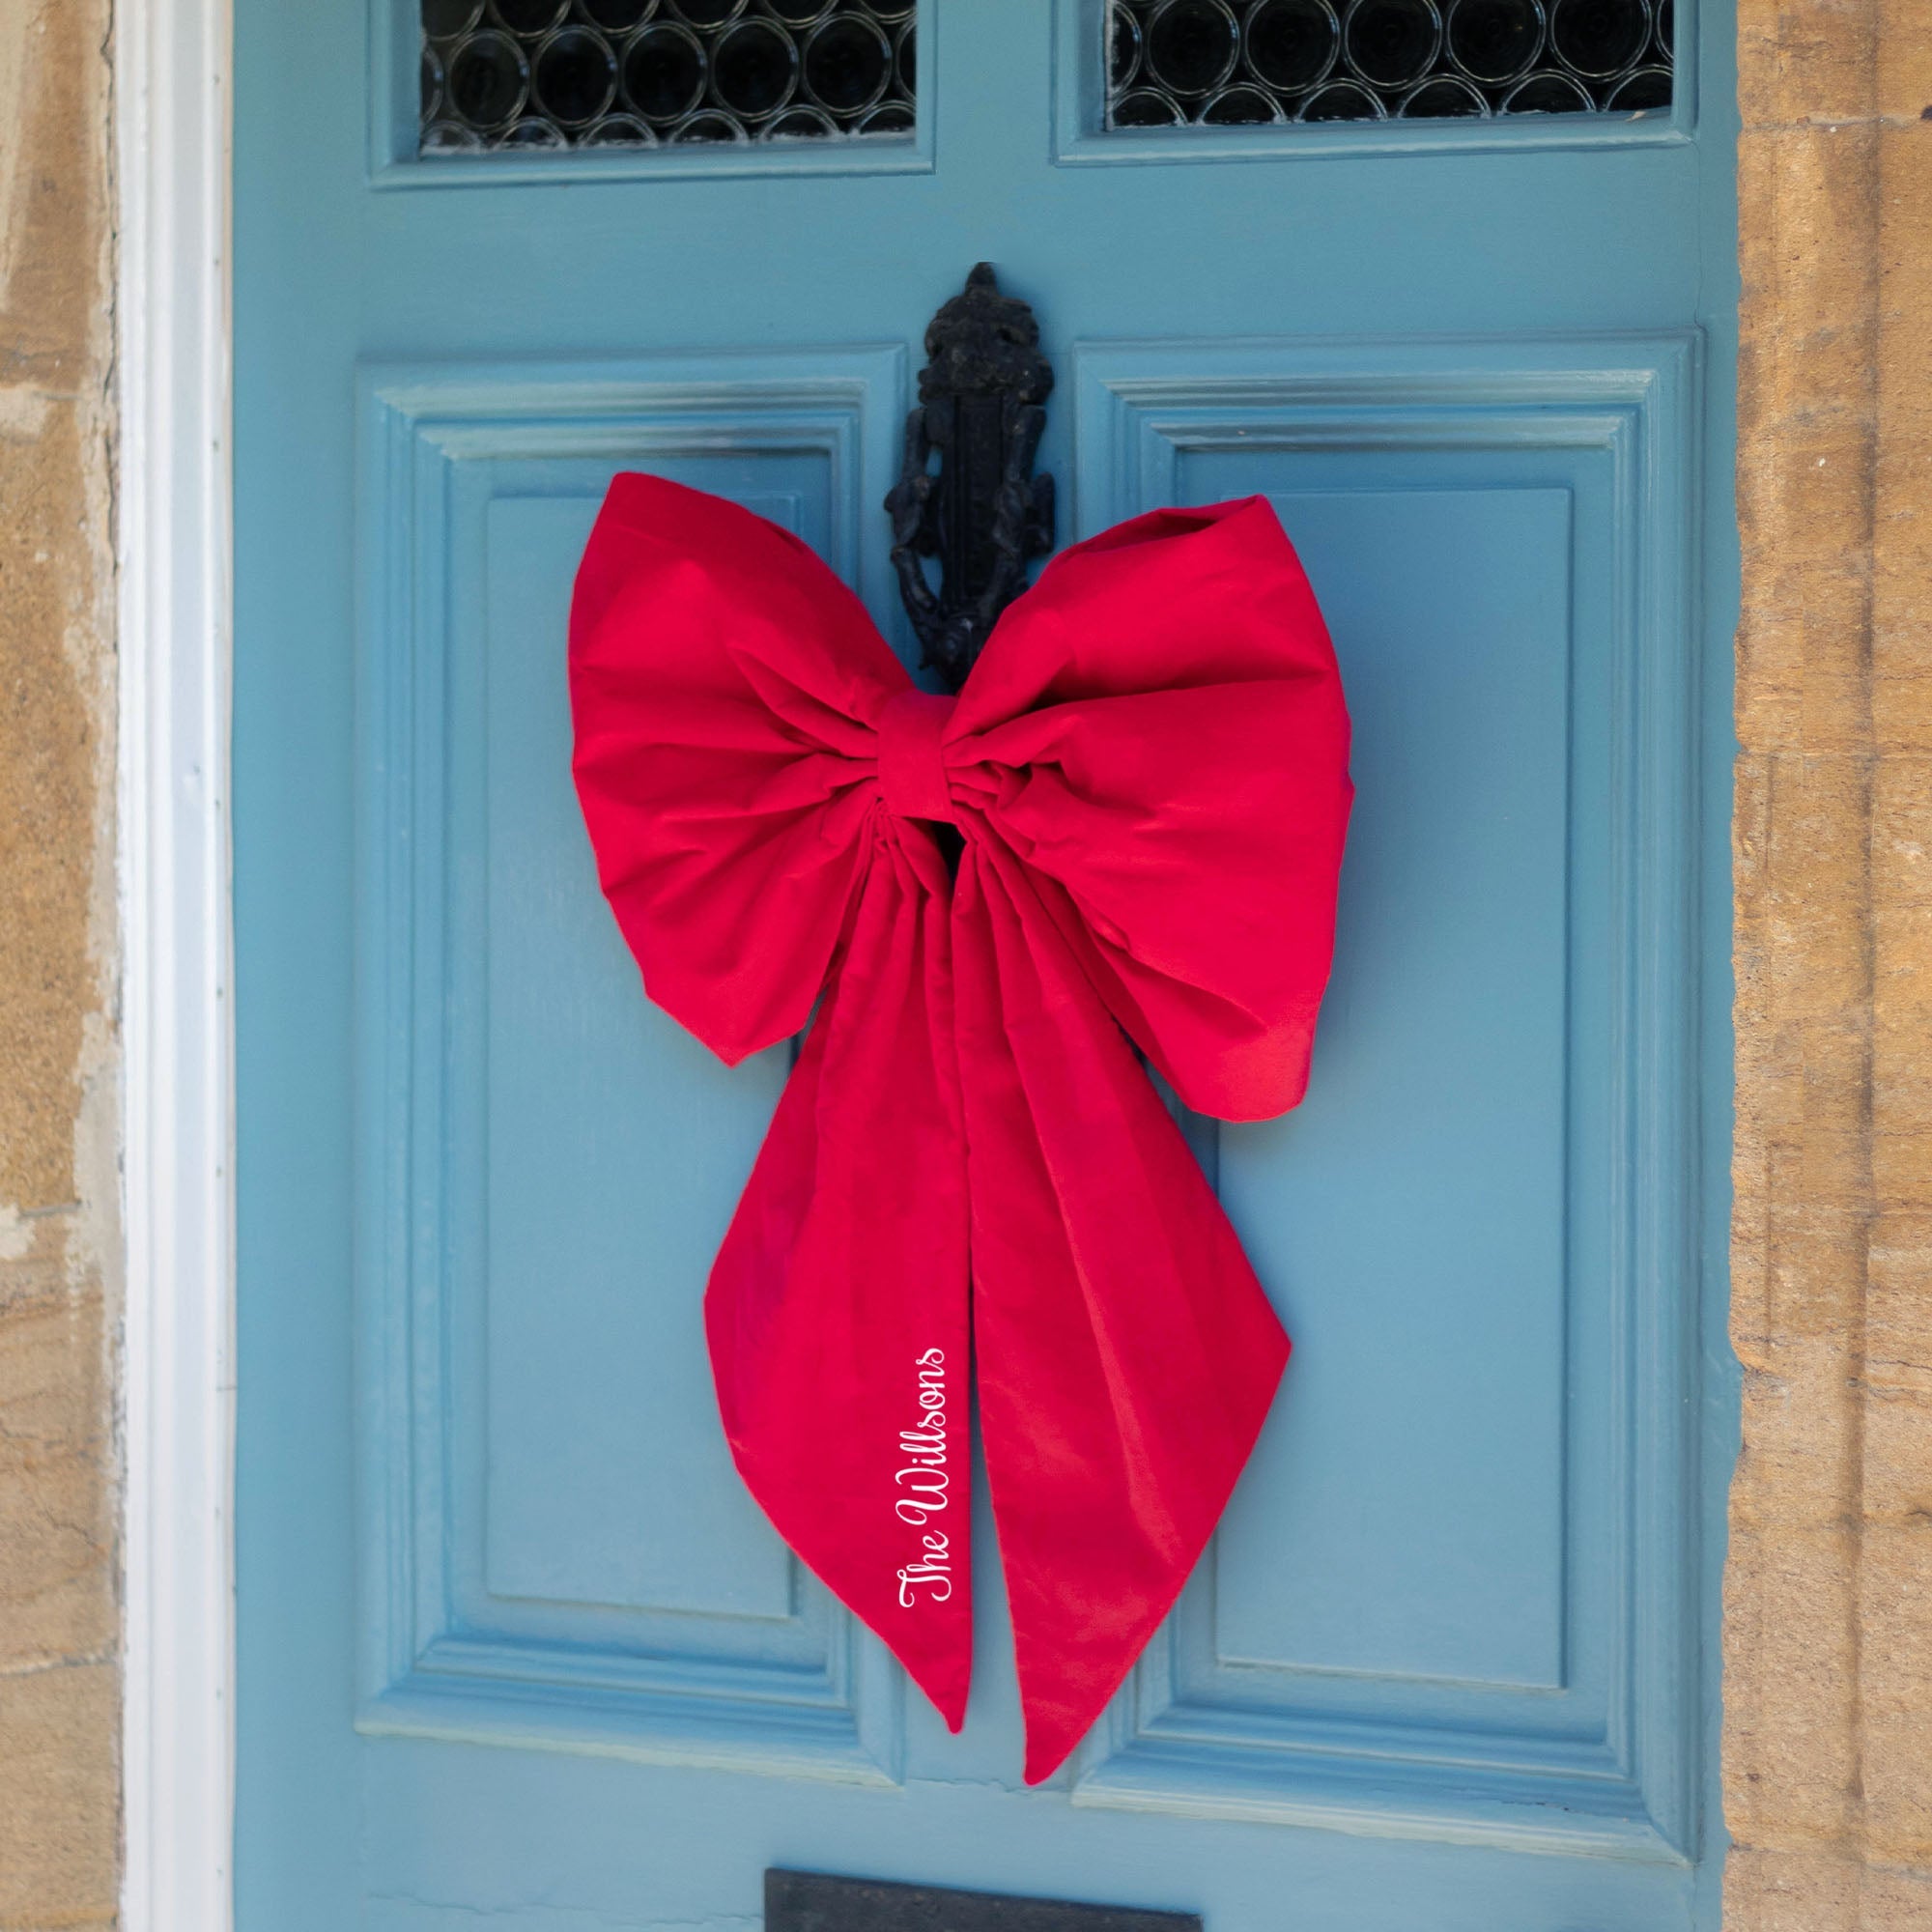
[172, 64]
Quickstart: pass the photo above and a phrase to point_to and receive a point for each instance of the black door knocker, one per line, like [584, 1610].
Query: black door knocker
[983, 513]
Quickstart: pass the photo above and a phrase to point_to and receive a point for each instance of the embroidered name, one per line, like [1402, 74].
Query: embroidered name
[922, 1482]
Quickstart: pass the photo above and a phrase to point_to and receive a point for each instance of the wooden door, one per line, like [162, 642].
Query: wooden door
[516, 1649]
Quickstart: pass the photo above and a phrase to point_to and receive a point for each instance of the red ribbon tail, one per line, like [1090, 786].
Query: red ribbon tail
[1126, 1354]
[836, 1312]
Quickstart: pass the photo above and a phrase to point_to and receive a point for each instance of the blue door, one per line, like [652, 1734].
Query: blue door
[1452, 283]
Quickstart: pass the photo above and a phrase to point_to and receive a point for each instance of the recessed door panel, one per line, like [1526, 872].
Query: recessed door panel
[615, 1151]
[557, 1545]
[1451, 1220]
[1424, 1268]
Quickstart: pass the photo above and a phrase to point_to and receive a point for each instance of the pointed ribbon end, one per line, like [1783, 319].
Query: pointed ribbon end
[945, 1687]
[1046, 1755]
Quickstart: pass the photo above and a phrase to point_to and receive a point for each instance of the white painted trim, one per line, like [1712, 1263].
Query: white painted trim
[172, 69]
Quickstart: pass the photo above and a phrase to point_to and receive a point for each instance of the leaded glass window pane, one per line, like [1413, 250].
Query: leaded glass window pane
[1234, 63]
[535, 74]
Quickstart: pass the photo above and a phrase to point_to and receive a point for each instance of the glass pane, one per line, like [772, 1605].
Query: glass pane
[641, 74]
[1234, 63]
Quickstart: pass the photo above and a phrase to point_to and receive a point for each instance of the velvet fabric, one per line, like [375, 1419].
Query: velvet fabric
[970, 1180]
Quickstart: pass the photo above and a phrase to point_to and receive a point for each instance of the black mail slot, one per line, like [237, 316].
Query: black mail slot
[798, 1901]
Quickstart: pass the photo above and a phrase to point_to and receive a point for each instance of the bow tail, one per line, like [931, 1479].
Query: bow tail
[1125, 1354]
[836, 1310]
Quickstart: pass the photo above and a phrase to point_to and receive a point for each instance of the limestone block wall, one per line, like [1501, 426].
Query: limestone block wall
[59, 1610]
[1827, 1663]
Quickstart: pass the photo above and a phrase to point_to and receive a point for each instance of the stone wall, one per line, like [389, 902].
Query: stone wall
[59, 1610]
[1828, 1684]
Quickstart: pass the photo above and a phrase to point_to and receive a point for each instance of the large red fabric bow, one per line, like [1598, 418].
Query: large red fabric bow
[1147, 771]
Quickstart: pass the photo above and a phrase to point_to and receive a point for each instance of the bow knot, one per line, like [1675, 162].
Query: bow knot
[912, 762]
[970, 1185]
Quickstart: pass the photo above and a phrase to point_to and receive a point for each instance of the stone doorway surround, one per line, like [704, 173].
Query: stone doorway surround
[113, 1704]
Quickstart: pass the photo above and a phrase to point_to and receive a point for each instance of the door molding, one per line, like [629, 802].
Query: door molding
[450, 1648]
[1599, 1758]
[172, 69]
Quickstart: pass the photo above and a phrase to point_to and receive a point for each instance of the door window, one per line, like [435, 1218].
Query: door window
[557, 75]
[1244, 63]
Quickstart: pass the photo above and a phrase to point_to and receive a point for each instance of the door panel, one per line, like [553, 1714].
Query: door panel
[1478, 1609]
[1458, 1034]
[557, 1547]
[514, 1645]
[597, 1215]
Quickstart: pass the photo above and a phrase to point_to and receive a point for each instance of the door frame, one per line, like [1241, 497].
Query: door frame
[172, 64]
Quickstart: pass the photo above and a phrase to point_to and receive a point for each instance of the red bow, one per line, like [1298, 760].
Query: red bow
[1148, 770]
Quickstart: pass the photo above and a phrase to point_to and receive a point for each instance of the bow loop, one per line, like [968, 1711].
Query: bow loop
[1169, 694]
[724, 688]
